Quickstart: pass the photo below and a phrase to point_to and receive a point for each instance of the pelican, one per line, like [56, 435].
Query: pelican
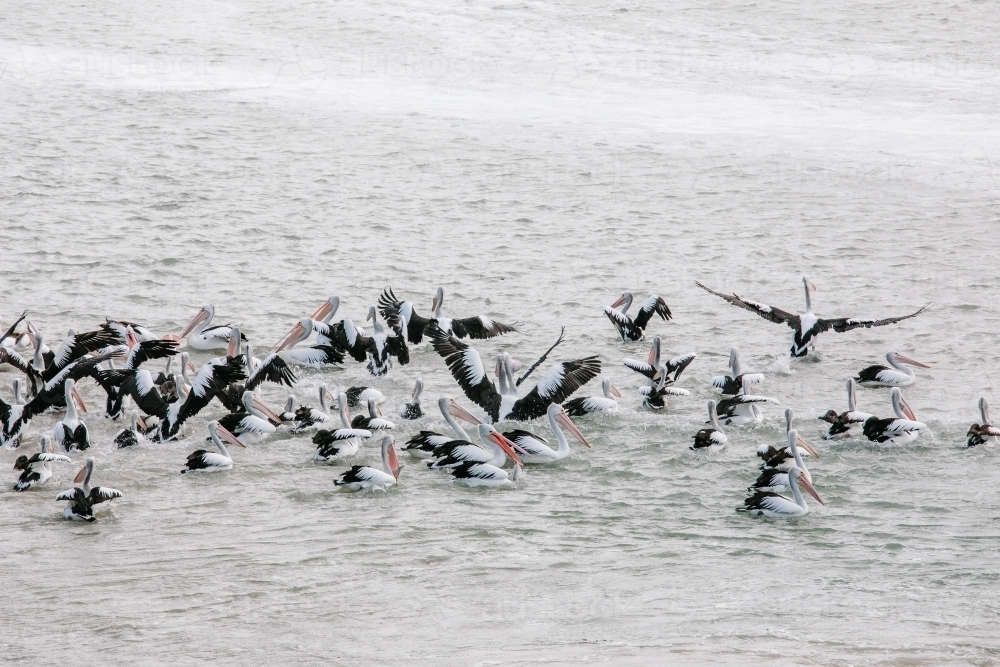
[744, 408]
[494, 451]
[364, 477]
[316, 356]
[767, 503]
[846, 424]
[422, 445]
[357, 396]
[605, 404]
[651, 367]
[83, 498]
[402, 316]
[806, 326]
[536, 449]
[411, 409]
[337, 443]
[655, 397]
[466, 366]
[732, 384]
[308, 418]
[15, 385]
[36, 470]
[634, 330]
[201, 335]
[713, 436]
[206, 461]
[131, 436]
[773, 479]
[324, 314]
[783, 458]
[71, 433]
[483, 474]
[985, 433]
[254, 425]
[288, 414]
[900, 375]
[901, 430]
[374, 421]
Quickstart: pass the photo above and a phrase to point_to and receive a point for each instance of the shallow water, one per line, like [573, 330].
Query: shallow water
[534, 159]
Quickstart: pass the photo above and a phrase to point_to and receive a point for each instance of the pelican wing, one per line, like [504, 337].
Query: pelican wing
[623, 324]
[677, 365]
[478, 470]
[139, 385]
[558, 384]
[843, 324]
[99, 494]
[272, 369]
[769, 313]
[78, 346]
[395, 312]
[654, 305]
[150, 349]
[48, 456]
[396, 346]
[10, 330]
[328, 437]
[356, 343]
[640, 367]
[23, 365]
[466, 367]
[479, 328]
[74, 494]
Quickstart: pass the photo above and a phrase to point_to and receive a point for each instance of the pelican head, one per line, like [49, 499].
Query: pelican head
[893, 357]
[204, 315]
[557, 413]
[900, 405]
[809, 287]
[609, 389]
[796, 476]
[437, 301]
[624, 300]
[418, 387]
[508, 447]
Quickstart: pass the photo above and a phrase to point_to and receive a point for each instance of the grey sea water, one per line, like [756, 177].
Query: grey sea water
[535, 159]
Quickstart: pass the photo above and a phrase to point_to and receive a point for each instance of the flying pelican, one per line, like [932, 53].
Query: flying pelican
[776, 481]
[466, 366]
[899, 430]
[713, 436]
[411, 409]
[767, 503]
[899, 375]
[606, 404]
[401, 315]
[846, 424]
[806, 326]
[364, 477]
[336, 443]
[743, 408]
[634, 330]
[83, 498]
[36, 469]
[205, 461]
[985, 433]
[131, 436]
[201, 335]
[732, 384]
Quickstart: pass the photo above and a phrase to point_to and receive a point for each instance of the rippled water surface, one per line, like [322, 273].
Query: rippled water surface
[535, 159]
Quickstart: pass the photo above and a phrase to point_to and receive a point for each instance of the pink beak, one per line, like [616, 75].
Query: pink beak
[234, 343]
[293, 334]
[907, 410]
[226, 436]
[568, 424]
[507, 446]
[463, 414]
[619, 302]
[910, 362]
[79, 400]
[799, 442]
[615, 392]
[80, 476]
[811, 489]
[268, 412]
[393, 461]
[198, 319]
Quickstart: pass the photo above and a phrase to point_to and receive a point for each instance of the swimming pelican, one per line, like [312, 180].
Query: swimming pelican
[732, 384]
[776, 481]
[713, 436]
[374, 420]
[411, 409]
[83, 498]
[36, 469]
[494, 450]
[767, 503]
[985, 433]
[131, 436]
[316, 356]
[606, 404]
[255, 424]
[536, 449]
[483, 474]
[309, 418]
[651, 367]
[900, 375]
[634, 330]
[288, 414]
[71, 433]
[783, 458]
[337, 443]
[900, 430]
[201, 335]
[846, 424]
[743, 408]
[364, 477]
[655, 397]
[806, 326]
[205, 461]
[357, 396]
[422, 445]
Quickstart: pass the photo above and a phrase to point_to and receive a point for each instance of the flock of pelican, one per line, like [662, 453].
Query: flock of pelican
[160, 406]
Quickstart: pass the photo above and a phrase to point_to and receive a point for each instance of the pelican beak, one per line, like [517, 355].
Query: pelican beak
[568, 424]
[615, 392]
[434, 304]
[321, 312]
[911, 362]
[619, 301]
[130, 338]
[268, 412]
[33, 339]
[413, 394]
[811, 489]
[171, 337]
[907, 410]
[811, 286]
[507, 446]
[295, 332]
[394, 461]
[226, 436]
[378, 410]
[141, 423]
[198, 319]
[370, 316]
[191, 366]
[80, 476]
[234, 344]
[799, 442]
[458, 411]
[79, 400]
